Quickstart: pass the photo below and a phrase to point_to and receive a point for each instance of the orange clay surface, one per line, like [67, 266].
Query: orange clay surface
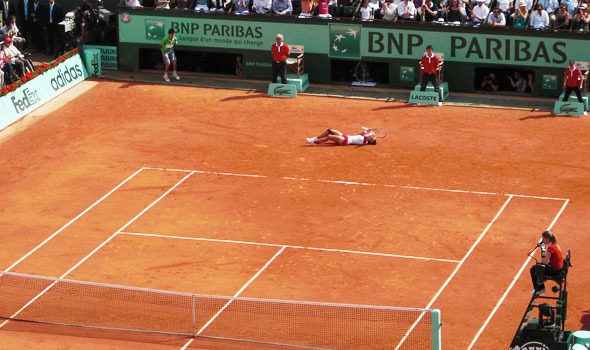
[398, 201]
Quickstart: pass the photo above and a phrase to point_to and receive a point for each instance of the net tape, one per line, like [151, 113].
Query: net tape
[300, 324]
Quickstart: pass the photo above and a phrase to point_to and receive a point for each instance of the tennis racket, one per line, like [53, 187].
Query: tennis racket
[379, 132]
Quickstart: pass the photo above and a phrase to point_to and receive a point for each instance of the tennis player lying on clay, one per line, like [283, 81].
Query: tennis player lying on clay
[366, 137]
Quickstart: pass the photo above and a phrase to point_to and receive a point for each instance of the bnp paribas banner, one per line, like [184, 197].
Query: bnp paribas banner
[355, 41]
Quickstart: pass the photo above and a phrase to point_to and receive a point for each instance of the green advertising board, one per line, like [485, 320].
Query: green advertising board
[218, 33]
[358, 41]
[108, 56]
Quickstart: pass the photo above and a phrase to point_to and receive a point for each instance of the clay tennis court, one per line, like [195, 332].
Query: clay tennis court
[214, 191]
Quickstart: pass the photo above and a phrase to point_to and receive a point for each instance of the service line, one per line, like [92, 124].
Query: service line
[65, 274]
[345, 251]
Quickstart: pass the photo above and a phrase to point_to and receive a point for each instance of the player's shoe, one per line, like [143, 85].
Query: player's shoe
[311, 140]
[175, 76]
[166, 79]
[440, 104]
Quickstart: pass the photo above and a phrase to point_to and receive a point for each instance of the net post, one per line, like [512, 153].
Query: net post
[436, 329]
[194, 314]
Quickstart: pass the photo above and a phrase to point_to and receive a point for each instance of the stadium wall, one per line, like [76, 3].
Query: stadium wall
[465, 49]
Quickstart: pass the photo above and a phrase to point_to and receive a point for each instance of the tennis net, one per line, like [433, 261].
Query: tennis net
[288, 323]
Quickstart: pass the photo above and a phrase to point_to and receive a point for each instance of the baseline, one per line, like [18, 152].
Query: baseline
[65, 274]
[140, 234]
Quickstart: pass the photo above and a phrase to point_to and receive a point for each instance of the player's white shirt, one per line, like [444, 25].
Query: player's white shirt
[356, 140]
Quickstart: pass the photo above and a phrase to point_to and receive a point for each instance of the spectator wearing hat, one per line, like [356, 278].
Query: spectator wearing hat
[8, 9]
[572, 81]
[539, 18]
[479, 12]
[562, 18]
[582, 19]
[520, 15]
[496, 18]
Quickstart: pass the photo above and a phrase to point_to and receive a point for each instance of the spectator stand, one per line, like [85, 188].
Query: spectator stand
[572, 106]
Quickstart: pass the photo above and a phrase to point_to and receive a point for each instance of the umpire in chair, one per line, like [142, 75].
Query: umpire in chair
[551, 265]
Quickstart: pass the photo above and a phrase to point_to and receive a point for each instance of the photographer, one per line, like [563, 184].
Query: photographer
[490, 83]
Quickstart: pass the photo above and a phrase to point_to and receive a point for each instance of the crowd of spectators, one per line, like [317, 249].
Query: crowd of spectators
[569, 15]
[25, 26]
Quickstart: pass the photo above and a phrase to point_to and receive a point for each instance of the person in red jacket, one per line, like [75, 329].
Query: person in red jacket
[429, 65]
[572, 81]
[280, 53]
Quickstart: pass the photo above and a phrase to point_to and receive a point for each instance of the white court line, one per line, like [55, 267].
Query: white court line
[481, 236]
[342, 182]
[234, 297]
[72, 221]
[501, 300]
[538, 197]
[96, 249]
[287, 246]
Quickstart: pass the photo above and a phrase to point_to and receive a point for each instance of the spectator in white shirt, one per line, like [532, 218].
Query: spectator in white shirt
[496, 18]
[133, 3]
[366, 12]
[261, 6]
[201, 5]
[474, 3]
[479, 12]
[506, 6]
[388, 10]
[17, 59]
[539, 18]
[406, 11]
